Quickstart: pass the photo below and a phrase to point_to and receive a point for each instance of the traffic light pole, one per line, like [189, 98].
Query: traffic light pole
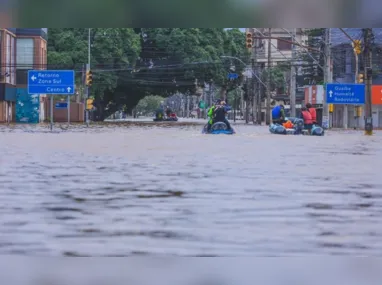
[368, 78]
[326, 118]
[356, 81]
[87, 87]
[86, 99]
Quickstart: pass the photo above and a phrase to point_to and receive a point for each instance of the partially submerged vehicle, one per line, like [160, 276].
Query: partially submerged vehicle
[171, 118]
[218, 128]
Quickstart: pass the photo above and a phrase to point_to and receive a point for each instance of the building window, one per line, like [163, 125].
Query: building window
[8, 60]
[25, 53]
[283, 45]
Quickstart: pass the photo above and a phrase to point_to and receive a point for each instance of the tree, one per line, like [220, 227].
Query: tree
[113, 51]
[149, 104]
[279, 83]
[129, 64]
[186, 58]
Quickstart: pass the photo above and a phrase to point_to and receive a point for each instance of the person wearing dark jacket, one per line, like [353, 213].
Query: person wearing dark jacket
[159, 114]
[218, 114]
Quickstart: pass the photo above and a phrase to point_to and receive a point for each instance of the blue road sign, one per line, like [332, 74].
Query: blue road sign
[62, 105]
[233, 76]
[51, 82]
[345, 94]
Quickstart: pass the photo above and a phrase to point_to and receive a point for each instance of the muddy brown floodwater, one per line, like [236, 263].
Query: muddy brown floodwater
[118, 190]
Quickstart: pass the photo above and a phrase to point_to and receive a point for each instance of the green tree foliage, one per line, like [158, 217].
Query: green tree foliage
[113, 51]
[279, 82]
[129, 64]
[149, 104]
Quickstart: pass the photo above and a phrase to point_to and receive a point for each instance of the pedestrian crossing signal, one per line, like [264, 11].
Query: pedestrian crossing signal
[331, 108]
[89, 78]
[249, 40]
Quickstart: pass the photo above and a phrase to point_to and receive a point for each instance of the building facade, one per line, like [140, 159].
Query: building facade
[281, 52]
[343, 59]
[20, 51]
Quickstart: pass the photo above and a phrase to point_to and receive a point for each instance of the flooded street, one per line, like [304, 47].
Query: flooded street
[118, 190]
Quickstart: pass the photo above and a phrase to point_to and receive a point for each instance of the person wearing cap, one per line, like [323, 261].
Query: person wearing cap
[278, 114]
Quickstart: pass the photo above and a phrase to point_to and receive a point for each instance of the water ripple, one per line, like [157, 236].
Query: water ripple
[138, 190]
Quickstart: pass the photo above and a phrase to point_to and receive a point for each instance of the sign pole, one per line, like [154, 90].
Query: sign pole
[51, 112]
[68, 111]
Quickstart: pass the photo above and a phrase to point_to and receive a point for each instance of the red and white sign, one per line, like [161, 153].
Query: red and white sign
[314, 94]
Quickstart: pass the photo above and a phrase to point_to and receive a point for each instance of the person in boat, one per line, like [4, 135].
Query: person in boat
[217, 113]
[159, 113]
[307, 117]
[278, 114]
[168, 112]
[313, 112]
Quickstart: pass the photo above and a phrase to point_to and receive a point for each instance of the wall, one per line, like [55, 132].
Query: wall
[27, 107]
[61, 115]
[3, 118]
[338, 117]
[31, 54]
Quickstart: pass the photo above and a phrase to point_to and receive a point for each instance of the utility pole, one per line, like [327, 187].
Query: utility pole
[188, 107]
[293, 80]
[254, 81]
[87, 91]
[210, 95]
[356, 81]
[253, 86]
[247, 100]
[367, 33]
[205, 101]
[268, 117]
[326, 121]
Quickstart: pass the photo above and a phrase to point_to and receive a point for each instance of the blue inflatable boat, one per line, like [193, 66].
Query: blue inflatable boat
[277, 129]
[317, 131]
[298, 128]
[217, 129]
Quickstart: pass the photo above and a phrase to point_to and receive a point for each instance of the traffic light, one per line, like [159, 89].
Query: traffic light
[89, 104]
[360, 78]
[331, 108]
[249, 40]
[89, 78]
[357, 46]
